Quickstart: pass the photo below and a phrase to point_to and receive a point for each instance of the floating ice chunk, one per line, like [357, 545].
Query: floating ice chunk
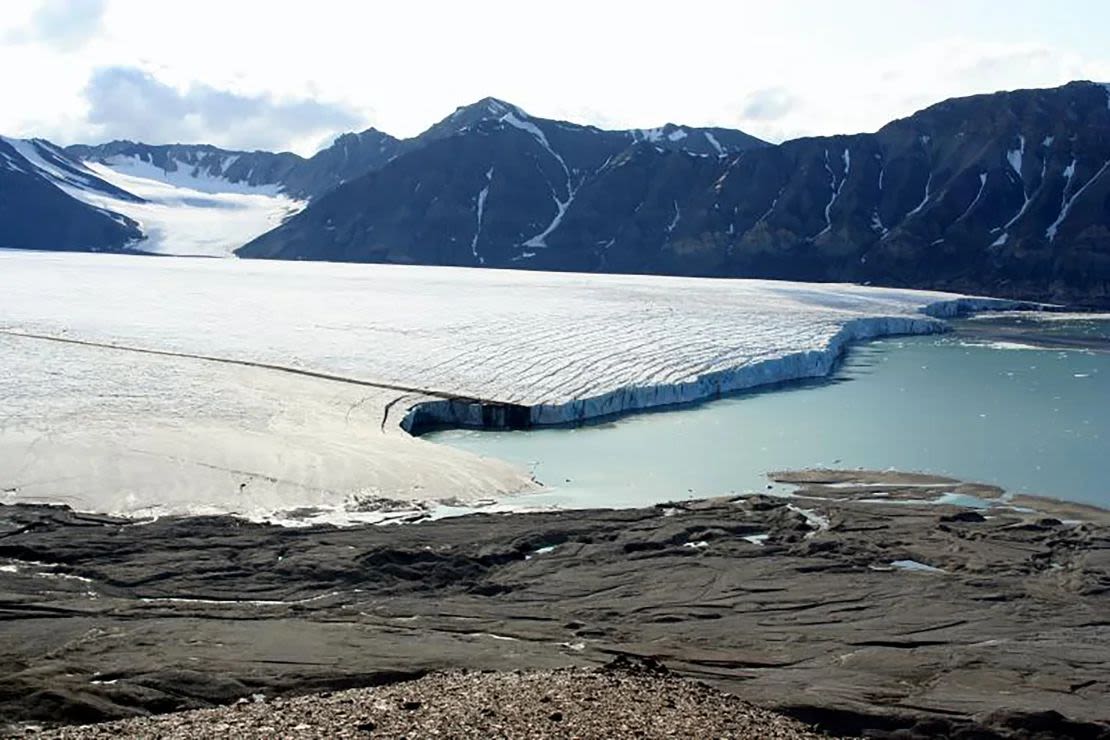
[913, 565]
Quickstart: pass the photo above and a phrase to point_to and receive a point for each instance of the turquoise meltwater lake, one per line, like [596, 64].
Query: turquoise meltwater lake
[1022, 402]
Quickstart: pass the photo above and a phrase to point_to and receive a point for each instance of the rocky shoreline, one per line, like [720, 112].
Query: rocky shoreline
[858, 605]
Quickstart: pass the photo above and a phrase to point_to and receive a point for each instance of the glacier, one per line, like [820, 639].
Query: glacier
[166, 386]
[187, 215]
[180, 212]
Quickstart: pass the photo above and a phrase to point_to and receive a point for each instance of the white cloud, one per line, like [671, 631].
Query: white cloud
[127, 103]
[778, 70]
[63, 24]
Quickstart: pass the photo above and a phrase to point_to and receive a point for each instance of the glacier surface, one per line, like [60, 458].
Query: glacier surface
[190, 216]
[139, 385]
[180, 212]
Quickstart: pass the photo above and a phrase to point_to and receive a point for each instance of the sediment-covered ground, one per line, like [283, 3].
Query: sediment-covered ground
[855, 605]
[610, 702]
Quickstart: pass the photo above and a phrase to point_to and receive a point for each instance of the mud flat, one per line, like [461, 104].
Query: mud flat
[862, 603]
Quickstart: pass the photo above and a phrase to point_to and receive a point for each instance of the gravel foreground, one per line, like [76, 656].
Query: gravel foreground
[608, 702]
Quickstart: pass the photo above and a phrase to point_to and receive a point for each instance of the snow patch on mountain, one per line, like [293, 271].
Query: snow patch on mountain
[836, 187]
[480, 207]
[187, 176]
[1014, 156]
[674, 221]
[925, 200]
[539, 241]
[1065, 206]
[10, 164]
[714, 143]
[877, 223]
[975, 200]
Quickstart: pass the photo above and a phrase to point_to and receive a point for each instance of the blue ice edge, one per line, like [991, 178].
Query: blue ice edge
[473, 414]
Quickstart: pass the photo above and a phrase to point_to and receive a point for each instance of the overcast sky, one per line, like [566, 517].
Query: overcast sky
[291, 74]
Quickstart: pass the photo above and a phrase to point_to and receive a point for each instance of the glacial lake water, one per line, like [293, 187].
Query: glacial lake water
[1022, 402]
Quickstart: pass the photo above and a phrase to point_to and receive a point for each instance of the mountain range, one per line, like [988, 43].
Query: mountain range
[1005, 194]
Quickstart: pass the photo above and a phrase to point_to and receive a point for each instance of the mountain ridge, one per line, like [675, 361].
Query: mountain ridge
[1001, 193]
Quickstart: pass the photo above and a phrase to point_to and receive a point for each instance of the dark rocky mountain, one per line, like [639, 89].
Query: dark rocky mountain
[73, 173]
[434, 193]
[197, 160]
[705, 141]
[38, 214]
[1004, 193]
[57, 199]
[348, 157]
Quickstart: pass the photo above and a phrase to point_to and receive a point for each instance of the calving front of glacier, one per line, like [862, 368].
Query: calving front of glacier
[262, 386]
[797, 365]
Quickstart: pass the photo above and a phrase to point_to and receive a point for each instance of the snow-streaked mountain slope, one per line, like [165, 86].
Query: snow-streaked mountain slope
[256, 432]
[1006, 194]
[35, 213]
[40, 157]
[180, 210]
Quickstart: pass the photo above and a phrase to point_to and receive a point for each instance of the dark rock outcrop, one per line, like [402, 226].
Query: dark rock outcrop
[900, 619]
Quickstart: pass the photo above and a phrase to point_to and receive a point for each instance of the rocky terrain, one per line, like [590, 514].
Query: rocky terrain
[620, 700]
[859, 605]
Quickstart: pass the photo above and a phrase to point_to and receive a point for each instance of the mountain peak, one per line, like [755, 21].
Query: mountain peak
[487, 108]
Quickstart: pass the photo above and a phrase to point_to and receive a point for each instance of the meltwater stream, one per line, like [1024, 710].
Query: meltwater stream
[1022, 402]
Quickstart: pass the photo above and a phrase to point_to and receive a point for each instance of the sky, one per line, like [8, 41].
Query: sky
[287, 75]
